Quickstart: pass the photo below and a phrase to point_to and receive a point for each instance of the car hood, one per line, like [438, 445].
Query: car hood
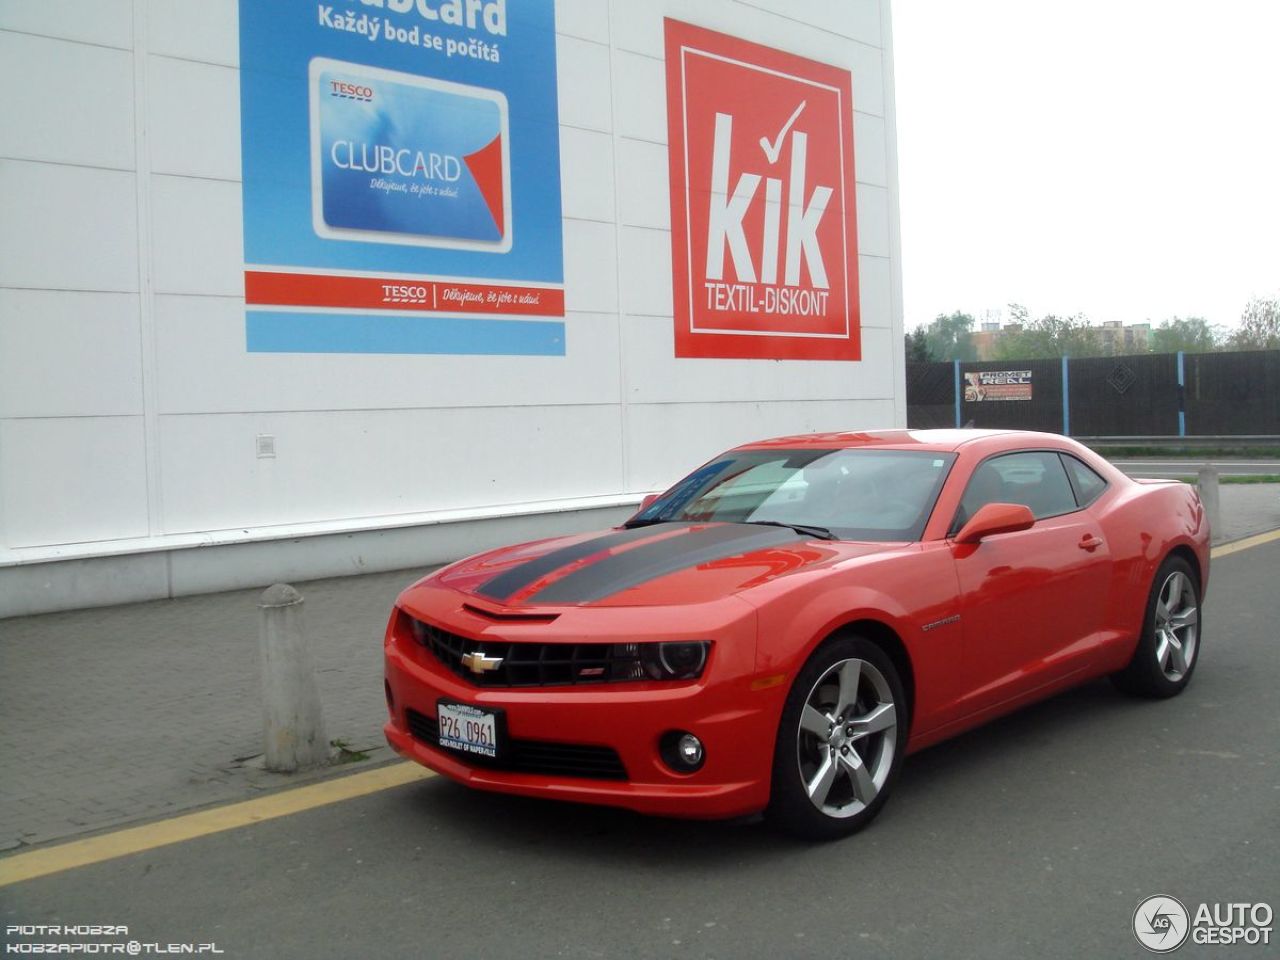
[669, 563]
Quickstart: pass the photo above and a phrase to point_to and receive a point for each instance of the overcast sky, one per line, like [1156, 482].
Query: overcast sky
[1118, 158]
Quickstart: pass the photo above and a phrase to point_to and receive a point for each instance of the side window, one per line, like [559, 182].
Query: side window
[1034, 479]
[1088, 484]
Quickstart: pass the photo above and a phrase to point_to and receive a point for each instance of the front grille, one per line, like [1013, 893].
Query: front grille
[530, 756]
[534, 664]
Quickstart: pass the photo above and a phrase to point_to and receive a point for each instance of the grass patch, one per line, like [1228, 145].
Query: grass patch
[1232, 478]
[347, 753]
[1126, 450]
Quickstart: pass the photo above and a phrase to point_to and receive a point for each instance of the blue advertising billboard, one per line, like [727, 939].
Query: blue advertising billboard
[401, 177]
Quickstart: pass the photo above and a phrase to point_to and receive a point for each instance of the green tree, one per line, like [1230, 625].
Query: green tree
[1259, 325]
[1048, 337]
[917, 348]
[950, 337]
[1192, 335]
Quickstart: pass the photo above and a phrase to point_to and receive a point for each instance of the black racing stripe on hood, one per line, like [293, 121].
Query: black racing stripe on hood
[650, 561]
[510, 582]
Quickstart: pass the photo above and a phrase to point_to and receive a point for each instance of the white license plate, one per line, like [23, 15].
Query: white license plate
[468, 728]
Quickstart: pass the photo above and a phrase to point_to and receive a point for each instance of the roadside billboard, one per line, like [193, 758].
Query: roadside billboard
[982, 385]
[401, 177]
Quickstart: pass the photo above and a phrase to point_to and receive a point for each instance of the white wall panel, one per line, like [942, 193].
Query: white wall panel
[69, 228]
[640, 97]
[856, 19]
[802, 29]
[194, 115]
[667, 440]
[340, 465]
[51, 113]
[646, 271]
[105, 22]
[208, 31]
[870, 156]
[590, 267]
[873, 220]
[72, 480]
[586, 174]
[204, 368]
[588, 19]
[867, 65]
[585, 100]
[195, 236]
[68, 354]
[654, 375]
[875, 291]
[644, 197]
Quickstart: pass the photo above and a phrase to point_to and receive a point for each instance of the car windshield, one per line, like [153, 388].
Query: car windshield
[856, 494]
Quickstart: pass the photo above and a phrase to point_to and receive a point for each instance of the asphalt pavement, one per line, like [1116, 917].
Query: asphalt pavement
[1035, 836]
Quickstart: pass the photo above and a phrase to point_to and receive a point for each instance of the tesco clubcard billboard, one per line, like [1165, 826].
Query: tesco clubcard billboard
[401, 177]
[764, 227]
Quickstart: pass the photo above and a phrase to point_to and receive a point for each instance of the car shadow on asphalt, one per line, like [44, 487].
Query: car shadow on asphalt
[970, 772]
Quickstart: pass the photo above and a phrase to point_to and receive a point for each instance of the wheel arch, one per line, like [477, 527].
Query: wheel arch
[1185, 552]
[887, 639]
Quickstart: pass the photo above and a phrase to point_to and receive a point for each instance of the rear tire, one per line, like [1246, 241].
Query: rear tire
[840, 743]
[1169, 648]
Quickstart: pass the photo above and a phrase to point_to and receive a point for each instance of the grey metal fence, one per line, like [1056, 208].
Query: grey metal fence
[1172, 394]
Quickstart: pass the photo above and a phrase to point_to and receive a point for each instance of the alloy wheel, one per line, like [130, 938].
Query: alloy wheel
[847, 738]
[1177, 625]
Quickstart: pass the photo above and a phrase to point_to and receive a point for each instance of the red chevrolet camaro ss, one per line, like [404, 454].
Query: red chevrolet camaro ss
[780, 628]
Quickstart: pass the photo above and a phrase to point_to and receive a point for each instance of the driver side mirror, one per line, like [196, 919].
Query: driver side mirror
[648, 501]
[995, 518]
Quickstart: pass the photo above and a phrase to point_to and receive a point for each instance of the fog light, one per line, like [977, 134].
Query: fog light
[682, 751]
[690, 749]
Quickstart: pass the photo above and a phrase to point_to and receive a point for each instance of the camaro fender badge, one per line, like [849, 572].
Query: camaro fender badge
[478, 663]
[929, 626]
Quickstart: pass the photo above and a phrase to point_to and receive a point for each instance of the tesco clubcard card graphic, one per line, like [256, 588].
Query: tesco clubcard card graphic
[407, 159]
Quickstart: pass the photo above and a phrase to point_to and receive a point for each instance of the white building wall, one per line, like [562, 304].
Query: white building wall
[129, 406]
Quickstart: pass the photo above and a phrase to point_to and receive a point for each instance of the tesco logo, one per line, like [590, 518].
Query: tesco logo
[764, 234]
[404, 293]
[350, 91]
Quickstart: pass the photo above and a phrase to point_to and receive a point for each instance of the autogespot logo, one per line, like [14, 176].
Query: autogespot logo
[1161, 923]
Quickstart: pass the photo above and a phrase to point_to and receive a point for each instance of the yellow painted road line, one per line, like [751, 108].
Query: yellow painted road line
[121, 843]
[1255, 541]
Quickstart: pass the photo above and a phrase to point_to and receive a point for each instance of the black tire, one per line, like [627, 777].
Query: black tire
[1155, 670]
[800, 755]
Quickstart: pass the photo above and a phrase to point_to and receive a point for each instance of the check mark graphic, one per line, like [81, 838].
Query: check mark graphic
[771, 150]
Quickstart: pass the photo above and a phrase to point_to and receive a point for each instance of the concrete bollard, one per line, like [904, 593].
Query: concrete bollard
[1207, 484]
[295, 735]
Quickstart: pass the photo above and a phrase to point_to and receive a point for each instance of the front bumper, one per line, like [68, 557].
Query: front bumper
[736, 721]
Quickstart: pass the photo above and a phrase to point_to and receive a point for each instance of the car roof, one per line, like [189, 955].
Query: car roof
[936, 441]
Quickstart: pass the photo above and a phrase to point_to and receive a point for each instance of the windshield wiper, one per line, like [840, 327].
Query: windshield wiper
[643, 522]
[819, 533]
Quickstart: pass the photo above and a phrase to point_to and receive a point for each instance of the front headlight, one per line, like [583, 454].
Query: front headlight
[679, 660]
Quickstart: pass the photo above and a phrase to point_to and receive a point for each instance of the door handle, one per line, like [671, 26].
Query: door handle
[1089, 542]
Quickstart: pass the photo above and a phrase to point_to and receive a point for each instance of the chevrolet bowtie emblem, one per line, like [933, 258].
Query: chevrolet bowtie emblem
[479, 663]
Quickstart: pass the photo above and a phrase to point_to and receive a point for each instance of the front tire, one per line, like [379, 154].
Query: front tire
[1169, 648]
[840, 743]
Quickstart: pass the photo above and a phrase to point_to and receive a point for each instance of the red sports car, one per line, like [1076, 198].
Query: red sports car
[780, 628]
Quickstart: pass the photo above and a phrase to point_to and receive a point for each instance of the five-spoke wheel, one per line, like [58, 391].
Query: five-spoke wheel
[1169, 647]
[1177, 625]
[848, 731]
[841, 740]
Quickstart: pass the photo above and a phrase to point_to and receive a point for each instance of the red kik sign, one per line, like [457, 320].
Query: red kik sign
[763, 228]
